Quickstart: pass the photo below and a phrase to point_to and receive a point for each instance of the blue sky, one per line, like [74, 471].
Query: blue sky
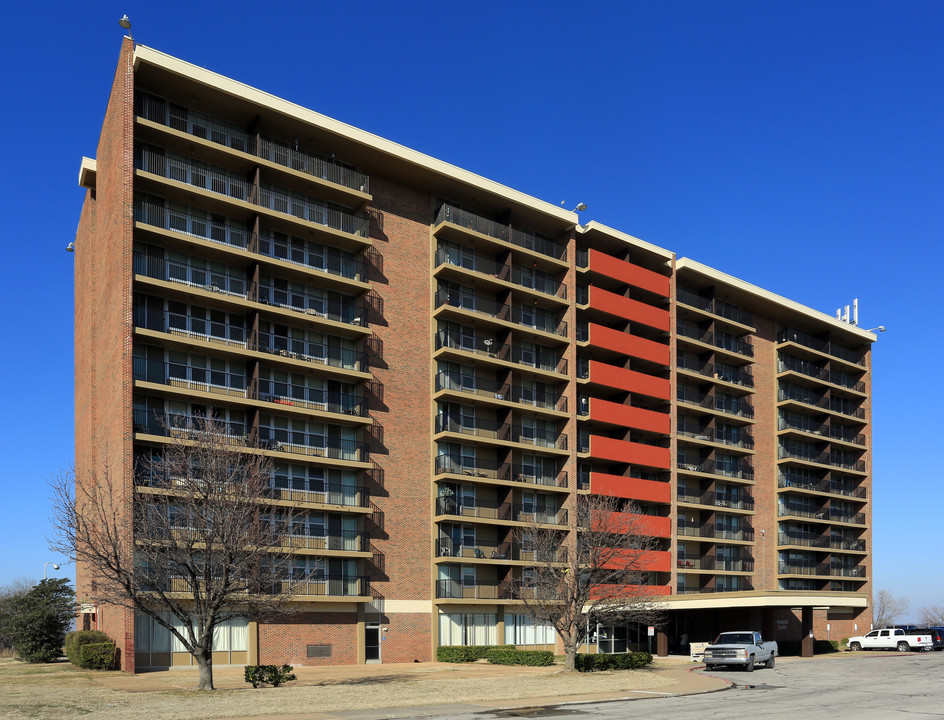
[796, 145]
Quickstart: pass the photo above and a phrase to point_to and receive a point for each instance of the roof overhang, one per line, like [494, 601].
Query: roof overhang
[87, 173]
[717, 601]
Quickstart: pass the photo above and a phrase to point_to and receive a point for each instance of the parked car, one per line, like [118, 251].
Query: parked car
[937, 636]
[744, 648]
[891, 639]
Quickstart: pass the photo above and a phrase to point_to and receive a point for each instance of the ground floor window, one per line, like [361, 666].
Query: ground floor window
[468, 629]
[523, 630]
[152, 637]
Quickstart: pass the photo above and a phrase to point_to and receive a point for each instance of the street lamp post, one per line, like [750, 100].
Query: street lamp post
[54, 567]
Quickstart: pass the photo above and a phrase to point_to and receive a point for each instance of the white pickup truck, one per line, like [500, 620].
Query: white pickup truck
[892, 639]
[744, 648]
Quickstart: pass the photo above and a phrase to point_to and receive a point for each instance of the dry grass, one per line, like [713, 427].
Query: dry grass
[62, 691]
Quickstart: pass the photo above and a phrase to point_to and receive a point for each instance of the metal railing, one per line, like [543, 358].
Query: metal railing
[713, 562]
[737, 406]
[531, 397]
[739, 376]
[726, 436]
[222, 231]
[798, 482]
[720, 500]
[722, 341]
[540, 358]
[506, 511]
[190, 377]
[344, 540]
[326, 585]
[311, 398]
[189, 326]
[329, 494]
[303, 443]
[826, 347]
[189, 426]
[715, 307]
[311, 164]
[526, 315]
[787, 452]
[532, 279]
[521, 238]
[506, 432]
[807, 424]
[457, 590]
[788, 363]
[820, 569]
[347, 311]
[474, 467]
[315, 352]
[799, 394]
[198, 276]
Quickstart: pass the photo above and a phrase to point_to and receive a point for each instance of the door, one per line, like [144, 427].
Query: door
[372, 642]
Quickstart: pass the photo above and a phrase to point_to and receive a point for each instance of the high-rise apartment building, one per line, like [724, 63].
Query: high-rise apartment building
[432, 360]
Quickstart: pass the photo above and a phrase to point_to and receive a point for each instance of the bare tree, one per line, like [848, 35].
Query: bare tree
[887, 608]
[933, 615]
[191, 545]
[595, 573]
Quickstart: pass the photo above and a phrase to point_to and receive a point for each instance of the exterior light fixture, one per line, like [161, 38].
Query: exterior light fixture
[70, 247]
[54, 567]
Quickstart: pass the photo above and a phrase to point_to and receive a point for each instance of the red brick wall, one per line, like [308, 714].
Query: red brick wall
[765, 459]
[400, 228]
[103, 323]
[407, 638]
[286, 641]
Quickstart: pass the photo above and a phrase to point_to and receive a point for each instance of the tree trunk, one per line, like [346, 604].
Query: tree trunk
[568, 640]
[204, 658]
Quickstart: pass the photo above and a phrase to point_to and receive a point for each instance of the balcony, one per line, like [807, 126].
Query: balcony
[538, 358]
[312, 445]
[330, 494]
[823, 542]
[821, 513]
[505, 432]
[200, 277]
[788, 363]
[313, 352]
[820, 569]
[231, 185]
[740, 470]
[532, 397]
[722, 531]
[527, 278]
[826, 347]
[712, 562]
[738, 376]
[821, 458]
[503, 511]
[715, 499]
[507, 472]
[715, 307]
[741, 586]
[800, 482]
[199, 125]
[726, 436]
[731, 406]
[456, 590]
[339, 540]
[837, 405]
[327, 586]
[722, 341]
[346, 311]
[522, 238]
[807, 424]
[524, 315]
[190, 427]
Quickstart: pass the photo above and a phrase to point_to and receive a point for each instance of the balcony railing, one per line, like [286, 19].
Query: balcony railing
[521, 238]
[838, 405]
[824, 542]
[824, 346]
[712, 562]
[347, 311]
[327, 586]
[821, 569]
[193, 275]
[456, 590]
[741, 586]
[303, 443]
[532, 397]
[739, 376]
[212, 228]
[809, 425]
[740, 470]
[741, 346]
[190, 377]
[473, 467]
[508, 512]
[330, 494]
[540, 358]
[721, 500]
[315, 352]
[823, 458]
[788, 363]
[312, 398]
[728, 437]
[448, 548]
[716, 307]
[739, 407]
[786, 480]
[181, 425]
[189, 326]
[223, 182]
[344, 540]
[505, 432]
[536, 319]
[223, 133]
[533, 280]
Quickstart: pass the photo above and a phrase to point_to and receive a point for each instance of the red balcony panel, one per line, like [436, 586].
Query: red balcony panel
[630, 487]
[656, 526]
[627, 451]
[627, 308]
[629, 416]
[630, 380]
[628, 273]
[629, 344]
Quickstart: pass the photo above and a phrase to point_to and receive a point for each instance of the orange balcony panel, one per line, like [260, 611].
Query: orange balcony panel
[629, 344]
[630, 380]
[655, 526]
[652, 561]
[629, 416]
[628, 273]
[630, 309]
[627, 451]
[630, 487]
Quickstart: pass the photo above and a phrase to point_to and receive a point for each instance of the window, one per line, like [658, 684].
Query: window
[468, 629]
[523, 630]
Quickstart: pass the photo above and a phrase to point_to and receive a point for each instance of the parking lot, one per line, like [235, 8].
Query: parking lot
[865, 686]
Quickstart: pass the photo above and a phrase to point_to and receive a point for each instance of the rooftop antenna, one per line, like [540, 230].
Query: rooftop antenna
[125, 22]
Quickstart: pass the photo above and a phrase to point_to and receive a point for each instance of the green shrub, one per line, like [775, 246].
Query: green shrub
[616, 661]
[97, 656]
[268, 675]
[504, 656]
[76, 639]
[466, 653]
